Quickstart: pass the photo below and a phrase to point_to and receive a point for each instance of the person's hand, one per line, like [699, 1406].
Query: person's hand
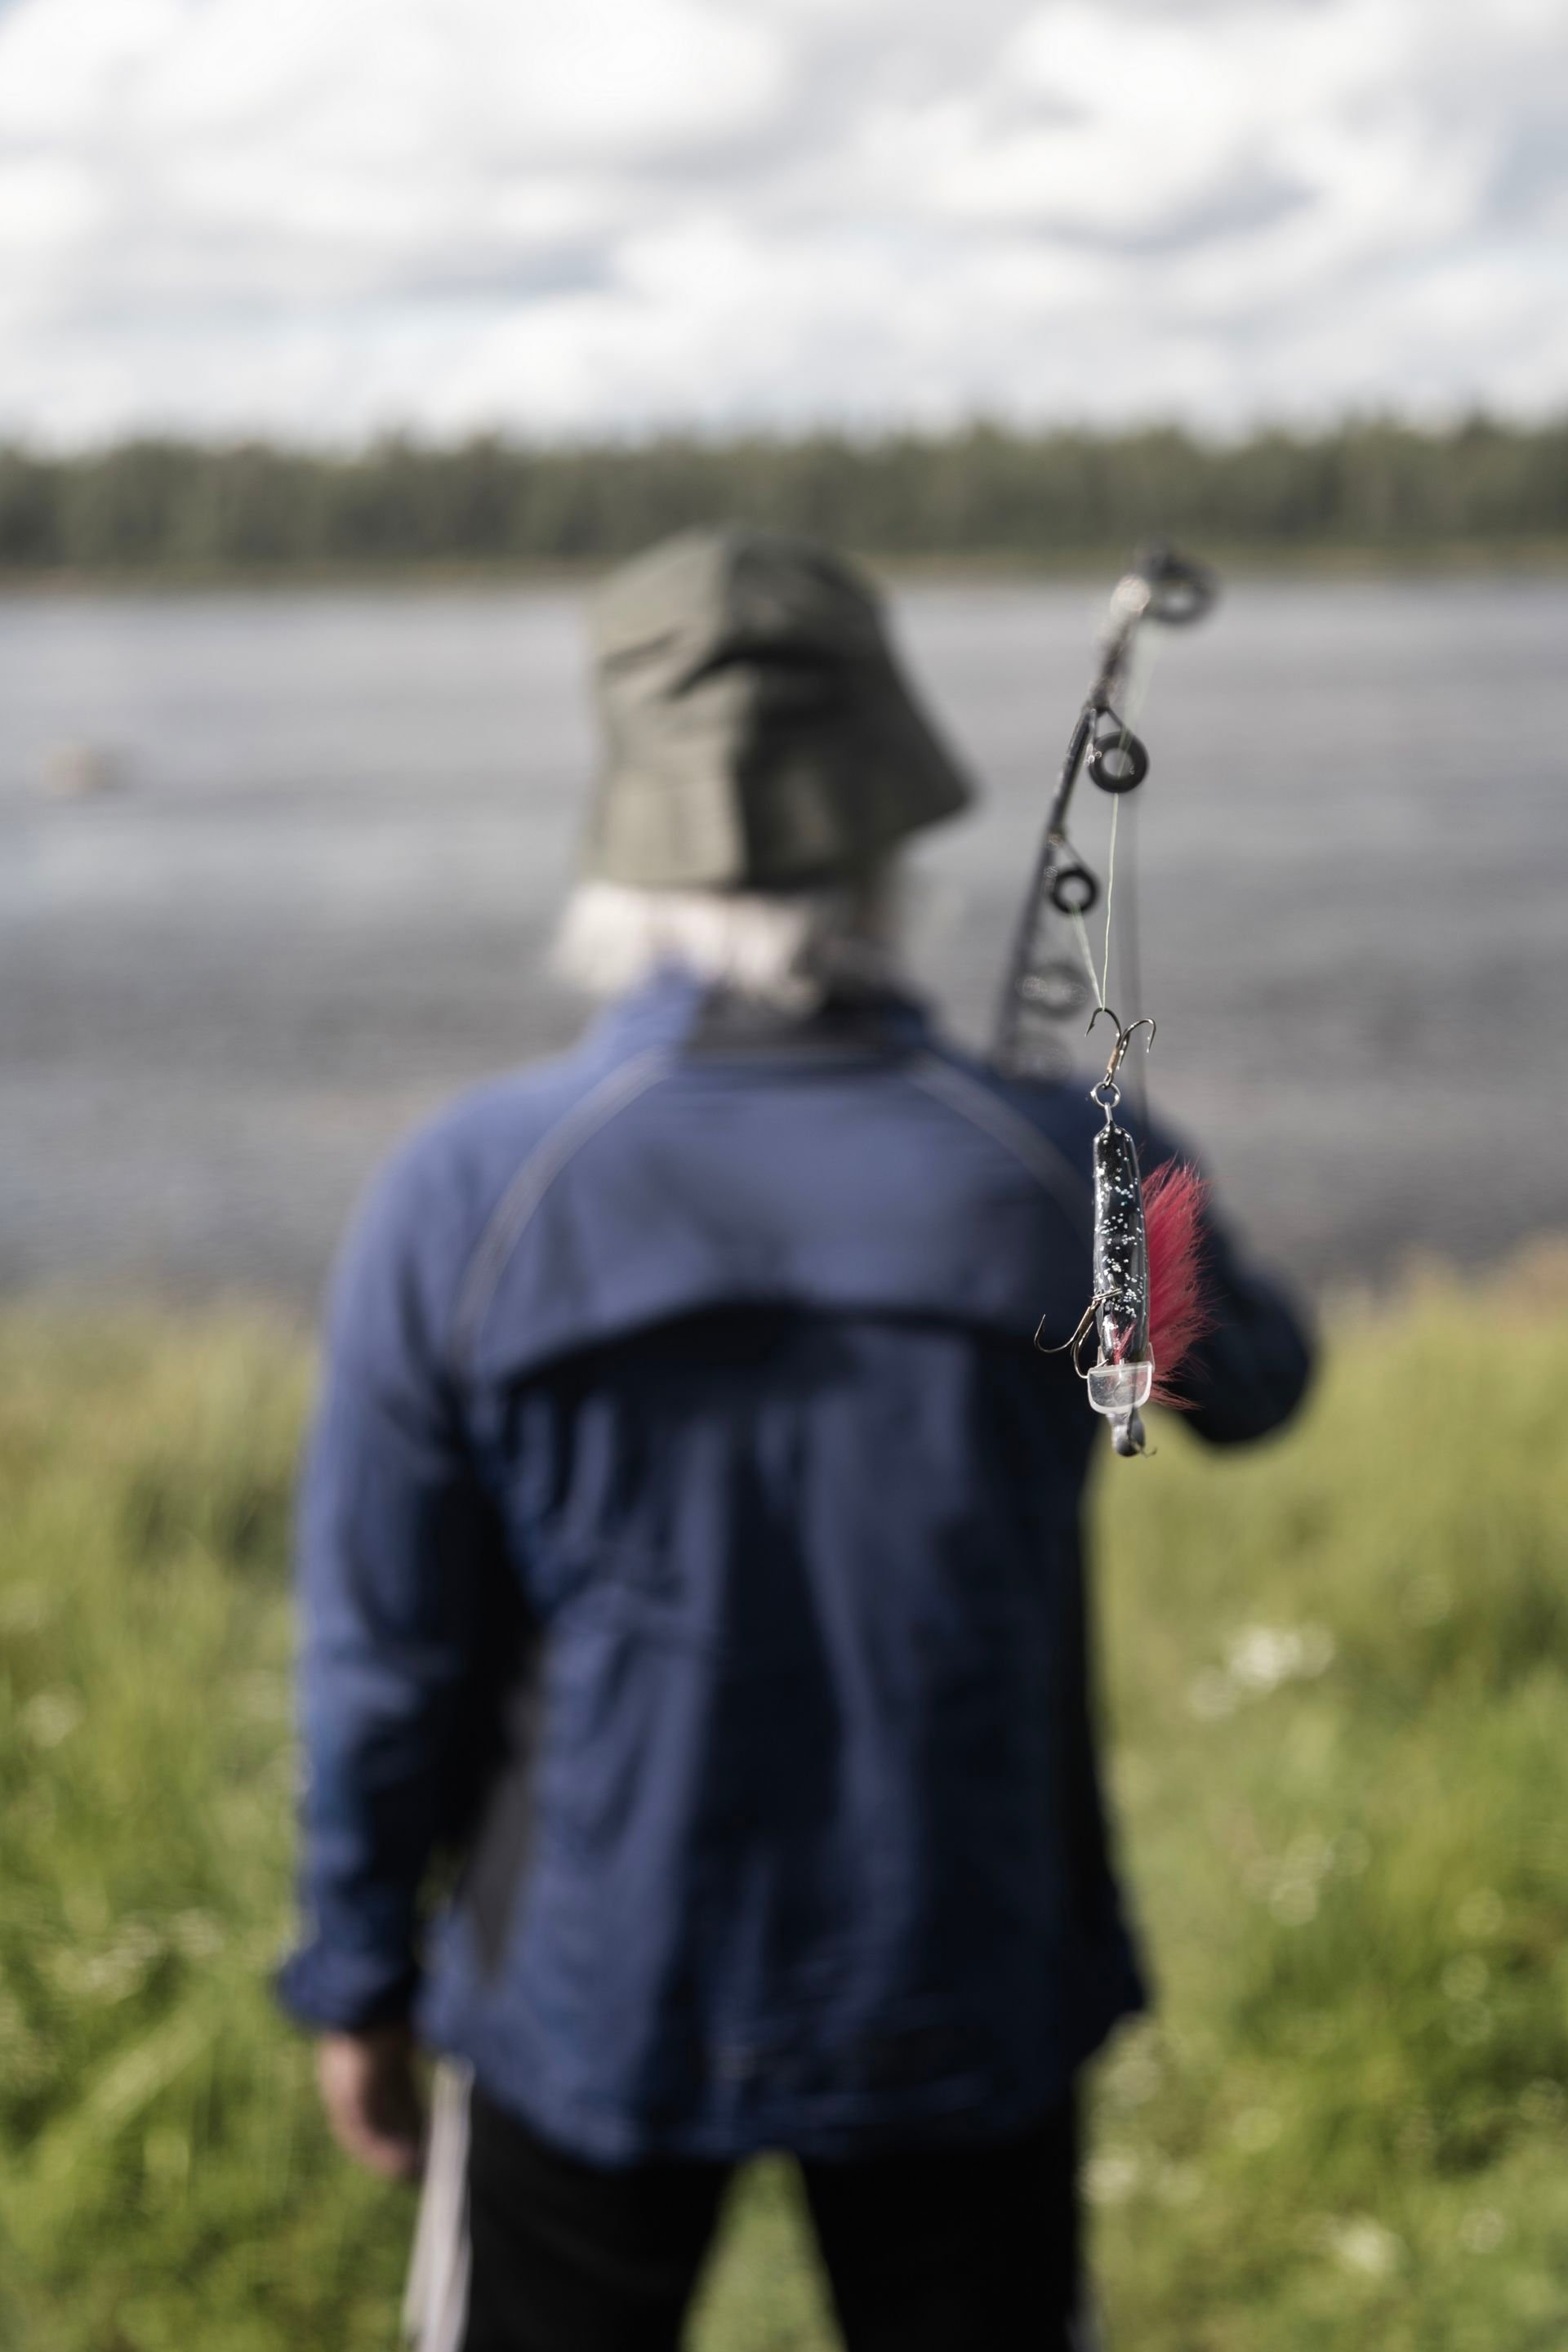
[372, 2098]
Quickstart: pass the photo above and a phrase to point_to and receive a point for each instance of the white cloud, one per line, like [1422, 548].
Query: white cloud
[580, 215]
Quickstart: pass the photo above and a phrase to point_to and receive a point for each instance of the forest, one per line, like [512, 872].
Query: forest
[1393, 490]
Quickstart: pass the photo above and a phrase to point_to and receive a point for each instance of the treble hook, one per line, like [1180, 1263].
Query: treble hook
[1123, 1039]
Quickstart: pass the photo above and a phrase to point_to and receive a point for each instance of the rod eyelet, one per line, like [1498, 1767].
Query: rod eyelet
[1073, 889]
[1117, 760]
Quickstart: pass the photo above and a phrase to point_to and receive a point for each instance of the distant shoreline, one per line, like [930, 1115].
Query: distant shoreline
[1346, 560]
[1368, 495]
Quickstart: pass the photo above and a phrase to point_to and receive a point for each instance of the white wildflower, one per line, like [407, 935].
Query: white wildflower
[1359, 2244]
[51, 1715]
[1112, 2177]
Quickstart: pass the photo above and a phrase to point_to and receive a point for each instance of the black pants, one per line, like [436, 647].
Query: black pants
[974, 2252]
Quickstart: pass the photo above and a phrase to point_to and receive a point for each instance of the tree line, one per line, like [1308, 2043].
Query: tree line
[166, 506]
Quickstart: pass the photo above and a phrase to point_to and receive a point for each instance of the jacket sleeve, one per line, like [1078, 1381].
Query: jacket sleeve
[1251, 1371]
[406, 1611]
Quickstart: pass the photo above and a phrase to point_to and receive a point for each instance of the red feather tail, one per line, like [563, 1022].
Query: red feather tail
[1179, 1313]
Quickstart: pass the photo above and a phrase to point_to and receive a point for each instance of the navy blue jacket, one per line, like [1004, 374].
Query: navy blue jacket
[690, 1569]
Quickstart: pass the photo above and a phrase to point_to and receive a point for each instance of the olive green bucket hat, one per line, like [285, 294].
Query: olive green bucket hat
[758, 732]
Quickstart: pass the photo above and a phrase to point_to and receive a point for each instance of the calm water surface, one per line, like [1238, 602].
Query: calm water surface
[322, 899]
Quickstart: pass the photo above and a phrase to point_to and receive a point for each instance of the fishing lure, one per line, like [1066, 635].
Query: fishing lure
[1147, 1311]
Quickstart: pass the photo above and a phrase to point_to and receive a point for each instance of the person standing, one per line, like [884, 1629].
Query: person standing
[690, 1565]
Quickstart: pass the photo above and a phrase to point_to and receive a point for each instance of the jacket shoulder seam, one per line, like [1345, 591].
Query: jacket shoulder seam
[964, 1096]
[510, 1219]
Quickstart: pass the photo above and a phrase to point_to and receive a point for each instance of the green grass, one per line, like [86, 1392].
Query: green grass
[1339, 1674]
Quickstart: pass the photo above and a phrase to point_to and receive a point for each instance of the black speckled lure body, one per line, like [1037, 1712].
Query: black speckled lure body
[1120, 1249]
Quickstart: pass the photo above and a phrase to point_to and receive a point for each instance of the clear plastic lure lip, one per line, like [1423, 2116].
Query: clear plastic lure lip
[1115, 1389]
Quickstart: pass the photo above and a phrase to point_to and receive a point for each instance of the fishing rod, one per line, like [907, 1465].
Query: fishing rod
[1146, 1307]
[1173, 591]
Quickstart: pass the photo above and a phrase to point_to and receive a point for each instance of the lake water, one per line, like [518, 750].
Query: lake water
[322, 896]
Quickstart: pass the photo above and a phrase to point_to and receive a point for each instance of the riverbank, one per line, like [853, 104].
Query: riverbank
[1338, 1669]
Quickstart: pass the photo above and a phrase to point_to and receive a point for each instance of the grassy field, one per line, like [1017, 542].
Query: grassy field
[1339, 1676]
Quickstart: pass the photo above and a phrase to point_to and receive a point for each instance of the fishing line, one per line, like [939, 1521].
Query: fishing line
[1144, 656]
[1129, 976]
[1140, 670]
[1109, 896]
[1080, 934]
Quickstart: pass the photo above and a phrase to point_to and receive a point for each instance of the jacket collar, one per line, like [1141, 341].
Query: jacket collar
[676, 1010]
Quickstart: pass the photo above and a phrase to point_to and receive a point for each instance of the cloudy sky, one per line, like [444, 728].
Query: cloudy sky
[317, 217]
